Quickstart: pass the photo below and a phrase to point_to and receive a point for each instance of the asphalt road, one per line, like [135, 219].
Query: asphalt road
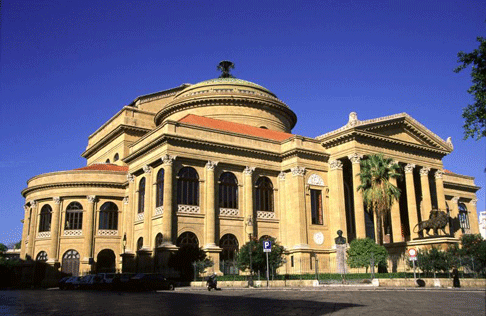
[307, 301]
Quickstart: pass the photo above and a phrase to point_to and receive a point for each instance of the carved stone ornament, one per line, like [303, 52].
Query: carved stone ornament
[248, 170]
[57, 200]
[355, 158]
[449, 142]
[33, 204]
[130, 178]
[315, 179]
[409, 168]
[424, 171]
[438, 174]
[474, 202]
[298, 171]
[125, 200]
[455, 199]
[335, 164]
[26, 207]
[353, 119]
[281, 176]
[91, 198]
[147, 169]
[168, 159]
[210, 165]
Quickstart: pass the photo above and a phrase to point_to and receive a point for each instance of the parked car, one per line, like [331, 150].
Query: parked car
[150, 282]
[86, 282]
[103, 281]
[121, 281]
[72, 283]
[62, 282]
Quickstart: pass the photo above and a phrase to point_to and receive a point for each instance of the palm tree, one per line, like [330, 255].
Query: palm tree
[378, 193]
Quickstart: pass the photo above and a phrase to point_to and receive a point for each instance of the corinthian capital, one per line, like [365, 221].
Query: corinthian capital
[298, 171]
[147, 169]
[455, 199]
[474, 202]
[409, 168]
[91, 198]
[355, 158]
[130, 178]
[33, 204]
[248, 170]
[424, 171]
[57, 200]
[210, 165]
[125, 200]
[168, 159]
[335, 164]
[438, 174]
[281, 176]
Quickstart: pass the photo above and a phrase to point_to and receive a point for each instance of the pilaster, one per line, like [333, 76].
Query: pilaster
[284, 220]
[439, 184]
[454, 214]
[473, 216]
[248, 189]
[25, 232]
[167, 220]
[53, 255]
[298, 229]
[130, 216]
[88, 228]
[426, 200]
[411, 201]
[33, 223]
[210, 205]
[336, 198]
[358, 196]
[148, 209]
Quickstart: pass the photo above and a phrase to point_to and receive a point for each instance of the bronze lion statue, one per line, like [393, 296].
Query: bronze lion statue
[437, 220]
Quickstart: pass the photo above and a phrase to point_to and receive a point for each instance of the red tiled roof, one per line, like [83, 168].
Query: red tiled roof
[104, 167]
[234, 127]
[448, 171]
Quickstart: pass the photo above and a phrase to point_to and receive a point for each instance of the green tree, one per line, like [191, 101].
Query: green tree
[184, 259]
[17, 245]
[3, 248]
[362, 250]
[379, 193]
[473, 250]
[433, 259]
[475, 114]
[258, 257]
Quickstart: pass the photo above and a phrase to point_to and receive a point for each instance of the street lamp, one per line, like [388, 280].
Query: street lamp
[249, 223]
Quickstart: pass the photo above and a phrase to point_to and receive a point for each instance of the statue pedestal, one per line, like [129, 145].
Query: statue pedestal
[341, 259]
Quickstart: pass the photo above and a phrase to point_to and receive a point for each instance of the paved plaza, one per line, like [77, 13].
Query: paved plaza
[304, 301]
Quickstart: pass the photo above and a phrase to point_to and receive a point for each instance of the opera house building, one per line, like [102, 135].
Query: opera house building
[208, 164]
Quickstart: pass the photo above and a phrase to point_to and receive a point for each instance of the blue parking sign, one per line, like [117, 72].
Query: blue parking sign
[267, 246]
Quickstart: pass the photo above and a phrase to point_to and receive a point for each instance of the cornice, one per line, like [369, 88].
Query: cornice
[305, 153]
[116, 185]
[56, 173]
[461, 186]
[120, 129]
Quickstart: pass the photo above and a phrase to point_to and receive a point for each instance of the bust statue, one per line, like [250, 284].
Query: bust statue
[340, 240]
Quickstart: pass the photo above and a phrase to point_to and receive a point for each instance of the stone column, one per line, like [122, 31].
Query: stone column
[426, 200]
[439, 184]
[358, 197]
[148, 210]
[168, 193]
[454, 214]
[336, 198]
[124, 225]
[248, 180]
[210, 205]
[25, 232]
[411, 201]
[88, 229]
[284, 220]
[130, 217]
[396, 221]
[473, 216]
[298, 229]
[53, 255]
[33, 223]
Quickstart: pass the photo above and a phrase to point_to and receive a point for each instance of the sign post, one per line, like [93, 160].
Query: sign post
[267, 247]
[413, 257]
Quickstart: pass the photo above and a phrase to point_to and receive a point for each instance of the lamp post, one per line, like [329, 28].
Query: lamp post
[249, 223]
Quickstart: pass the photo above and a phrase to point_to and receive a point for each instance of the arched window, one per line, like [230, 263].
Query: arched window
[45, 219]
[159, 200]
[187, 239]
[266, 237]
[108, 216]
[264, 195]
[116, 157]
[228, 191]
[70, 262]
[74, 216]
[188, 186]
[141, 196]
[230, 246]
[41, 256]
[159, 240]
[140, 243]
[463, 218]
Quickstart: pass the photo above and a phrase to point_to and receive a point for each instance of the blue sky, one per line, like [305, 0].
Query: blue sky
[67, 66]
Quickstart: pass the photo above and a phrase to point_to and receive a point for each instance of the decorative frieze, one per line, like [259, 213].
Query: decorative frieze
[44, 235]
[147, 169]
[125, 200]
[248, 170]
[159, 210]
[107, 232]
[193, 209]
[57, 200]
[229, 212]
[210, 165]
[73, 232]
[168, 160]
[265, 215]
[91, 198]
[130, 178]
[297, 171]
[424, 171]
[281, 176]
[409, 168]
[355, 158]
[335, 164]
[315, 179]
[438, 174]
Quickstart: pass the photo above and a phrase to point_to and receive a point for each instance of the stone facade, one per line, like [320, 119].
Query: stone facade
[210, 163]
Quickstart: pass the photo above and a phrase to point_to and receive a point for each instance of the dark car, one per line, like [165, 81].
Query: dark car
[150, 282]
[121, 281]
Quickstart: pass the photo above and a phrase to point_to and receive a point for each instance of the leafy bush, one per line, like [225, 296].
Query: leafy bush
[362, 251]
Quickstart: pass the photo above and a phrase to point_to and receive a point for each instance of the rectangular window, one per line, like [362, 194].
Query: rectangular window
[291, 261]
[316, 207]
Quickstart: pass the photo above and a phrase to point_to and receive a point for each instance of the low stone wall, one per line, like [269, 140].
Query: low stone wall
[427, 282]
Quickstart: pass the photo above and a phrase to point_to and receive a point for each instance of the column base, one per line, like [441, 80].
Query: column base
[213, 253]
